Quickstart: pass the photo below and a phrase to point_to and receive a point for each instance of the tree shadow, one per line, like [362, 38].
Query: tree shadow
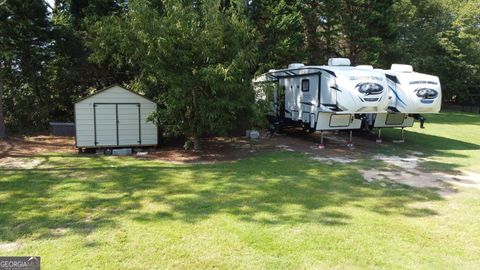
[431, 144]
[275, 188]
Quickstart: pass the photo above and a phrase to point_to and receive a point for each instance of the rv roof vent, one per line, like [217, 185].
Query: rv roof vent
[296, 65]
[272, 70]
[339, 62]
[365, 67]
[401, 68]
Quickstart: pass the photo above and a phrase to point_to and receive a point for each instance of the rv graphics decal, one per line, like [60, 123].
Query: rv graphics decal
[396, 95]
[369, 88]
[356, 78]
[426, 93]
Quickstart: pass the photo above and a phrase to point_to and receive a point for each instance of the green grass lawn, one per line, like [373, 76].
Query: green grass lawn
[274, 211]
[451, 140]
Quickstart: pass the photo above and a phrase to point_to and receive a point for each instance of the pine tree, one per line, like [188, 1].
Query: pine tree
[281, 30]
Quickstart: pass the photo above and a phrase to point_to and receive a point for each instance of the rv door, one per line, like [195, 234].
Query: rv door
[289, 102]
[280, 97]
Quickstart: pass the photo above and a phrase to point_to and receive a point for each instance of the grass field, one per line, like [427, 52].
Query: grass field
[274, 211]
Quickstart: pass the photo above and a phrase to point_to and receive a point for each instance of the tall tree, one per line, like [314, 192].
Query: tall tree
[366, 29]
[3, 129]
[441, 37]
[71, 74]
[201, 53]
[24, 44]
[281, 30]
[322, 30]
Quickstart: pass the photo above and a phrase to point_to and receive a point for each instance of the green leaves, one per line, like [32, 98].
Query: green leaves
[200, 55]
[197, 57]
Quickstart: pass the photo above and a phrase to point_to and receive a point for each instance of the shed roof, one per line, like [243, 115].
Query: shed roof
[108, 88]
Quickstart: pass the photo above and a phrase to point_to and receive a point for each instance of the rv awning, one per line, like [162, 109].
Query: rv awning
[304, 71]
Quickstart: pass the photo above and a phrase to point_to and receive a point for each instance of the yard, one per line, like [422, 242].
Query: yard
[278, 209]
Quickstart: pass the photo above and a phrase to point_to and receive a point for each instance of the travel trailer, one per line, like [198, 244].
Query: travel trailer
[333, 97]
[410, 94]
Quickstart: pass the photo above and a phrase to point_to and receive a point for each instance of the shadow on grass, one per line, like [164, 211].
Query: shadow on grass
[276, 188]
[428, 146]
[430, 143]
[452, 117]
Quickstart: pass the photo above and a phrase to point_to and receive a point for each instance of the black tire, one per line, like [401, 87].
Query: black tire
[107, 151]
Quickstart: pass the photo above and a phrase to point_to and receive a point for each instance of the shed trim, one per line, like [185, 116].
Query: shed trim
[108, 88]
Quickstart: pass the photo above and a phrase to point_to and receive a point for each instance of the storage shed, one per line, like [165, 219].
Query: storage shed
[114, 117]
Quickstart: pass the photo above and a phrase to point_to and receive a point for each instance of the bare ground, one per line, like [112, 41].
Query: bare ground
[20, 152]
[214, 149]
[10, 246]
[405, 170]
[28, 146]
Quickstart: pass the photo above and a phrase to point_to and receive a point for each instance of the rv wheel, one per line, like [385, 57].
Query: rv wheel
[107, 151]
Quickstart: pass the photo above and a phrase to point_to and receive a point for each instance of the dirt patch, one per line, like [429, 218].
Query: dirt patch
[9, 247]
[28, 146]
[22, 152]
[213, 150]
[408, 162]
[19, 163]
[216, 149]
[405, 171]
[330, 160]
[221, 149]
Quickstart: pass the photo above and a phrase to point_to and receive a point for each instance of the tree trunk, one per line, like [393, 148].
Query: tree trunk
[3, 130]
[195, 137]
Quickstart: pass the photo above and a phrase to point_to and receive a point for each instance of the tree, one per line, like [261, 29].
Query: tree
[70, 73]
[24, 43]
[441, 37]
[199, 54]
[365, 29]
[281, 32]
[3, 129]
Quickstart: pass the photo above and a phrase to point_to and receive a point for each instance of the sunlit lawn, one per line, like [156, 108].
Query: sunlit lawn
[274, 211]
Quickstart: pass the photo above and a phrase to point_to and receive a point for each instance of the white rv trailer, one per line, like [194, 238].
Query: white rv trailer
[333, 97]
[410, 94]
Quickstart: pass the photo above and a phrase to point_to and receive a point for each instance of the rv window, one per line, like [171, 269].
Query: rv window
[305, 85]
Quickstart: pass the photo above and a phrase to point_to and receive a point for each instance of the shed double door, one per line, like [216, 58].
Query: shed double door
[117, 124]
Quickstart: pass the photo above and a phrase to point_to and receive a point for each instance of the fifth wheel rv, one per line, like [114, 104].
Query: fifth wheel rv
[333, 97]
[410, 94]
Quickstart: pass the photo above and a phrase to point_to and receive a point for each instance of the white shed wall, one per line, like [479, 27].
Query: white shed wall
[106, 119]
